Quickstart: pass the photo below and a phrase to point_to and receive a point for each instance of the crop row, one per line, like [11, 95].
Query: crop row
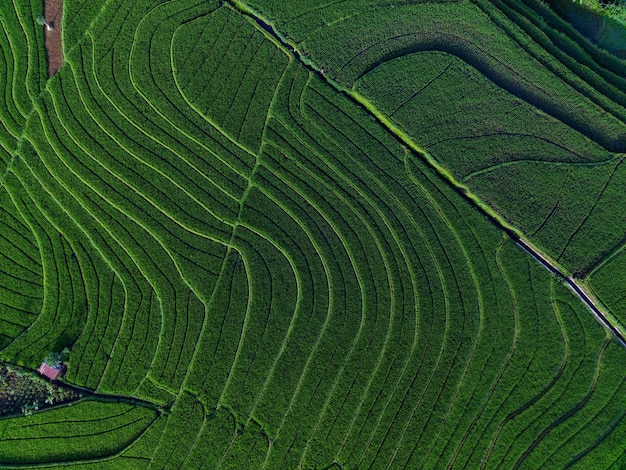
[347, 136]
[536, 72]
[509, 56]
[234, 94]
[527, 26]
[106, 296]
[575, 45]
[130, 350]
[327, 300]
[123, 332]
[11, 120]
[154, 84]
[214, 436]
[266, 185]
[606, 283]
[133, 287]
[136, 340]
[180, 432]
[451, 94]
[509, 156]
[180, 154]
[219, 338]
[274, 290]
[141, 320]
[63, 308]
[376, 309]
[443, 107]
[567, 209]
[527, 359]
[543, 352]
[301, 20]
[73, 313]
[21, 267]
[322, 310]
[184, 247]
[354, 224]
[83, 431]
[132, 157]
[24, 66]
[78, 15]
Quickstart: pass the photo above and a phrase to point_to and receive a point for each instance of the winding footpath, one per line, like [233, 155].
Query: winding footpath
[459, 187]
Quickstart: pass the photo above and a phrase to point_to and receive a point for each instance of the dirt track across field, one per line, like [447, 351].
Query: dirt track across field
[573, 284]
[53, 11]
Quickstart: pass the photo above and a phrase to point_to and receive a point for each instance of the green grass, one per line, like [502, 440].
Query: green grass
[219, 231]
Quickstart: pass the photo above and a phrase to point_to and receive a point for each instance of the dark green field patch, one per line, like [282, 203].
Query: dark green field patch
[82, 431]
[235, 95]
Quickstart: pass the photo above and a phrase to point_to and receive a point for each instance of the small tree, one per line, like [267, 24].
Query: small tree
[55, 359]
[41, 20]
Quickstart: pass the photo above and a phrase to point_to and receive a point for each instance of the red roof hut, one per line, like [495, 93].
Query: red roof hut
[51, 372]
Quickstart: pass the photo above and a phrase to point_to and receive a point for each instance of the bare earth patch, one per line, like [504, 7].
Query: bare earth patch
[53, 12]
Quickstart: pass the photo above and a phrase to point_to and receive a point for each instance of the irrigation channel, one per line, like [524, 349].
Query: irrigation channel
[491, 215]
[103, 397]
[588, 300]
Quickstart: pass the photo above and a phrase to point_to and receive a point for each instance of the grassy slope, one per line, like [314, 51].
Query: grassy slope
[296, 285]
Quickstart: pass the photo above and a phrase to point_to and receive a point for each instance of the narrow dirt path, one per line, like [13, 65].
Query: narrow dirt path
[53, 11]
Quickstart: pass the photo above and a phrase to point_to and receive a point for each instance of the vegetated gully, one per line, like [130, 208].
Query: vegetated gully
[458, 187]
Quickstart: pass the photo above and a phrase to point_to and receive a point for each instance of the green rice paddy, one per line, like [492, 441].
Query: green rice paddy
[223, 209]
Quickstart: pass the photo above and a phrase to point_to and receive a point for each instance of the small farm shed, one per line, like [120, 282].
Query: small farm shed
[48, 371]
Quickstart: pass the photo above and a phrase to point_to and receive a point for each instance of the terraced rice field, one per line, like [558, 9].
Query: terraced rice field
[232, 222]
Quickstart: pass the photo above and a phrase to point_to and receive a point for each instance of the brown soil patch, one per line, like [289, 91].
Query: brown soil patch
[53, 11]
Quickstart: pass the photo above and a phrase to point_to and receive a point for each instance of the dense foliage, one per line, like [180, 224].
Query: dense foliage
[216, 230]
